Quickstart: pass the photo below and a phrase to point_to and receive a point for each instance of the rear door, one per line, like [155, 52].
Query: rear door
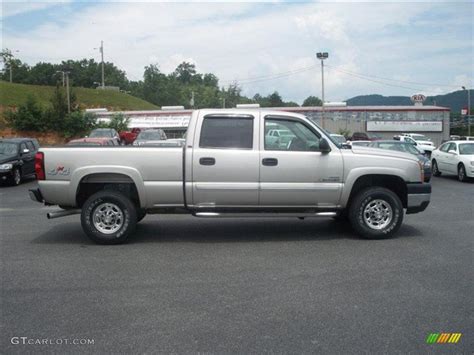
[225, 161]
[297, 174]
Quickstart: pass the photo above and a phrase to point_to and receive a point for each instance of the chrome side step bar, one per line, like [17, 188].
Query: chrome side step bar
[62, 213]
[262, 214]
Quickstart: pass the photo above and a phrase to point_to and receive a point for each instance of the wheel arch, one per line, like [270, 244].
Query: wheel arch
[391, 182]
[87, 181]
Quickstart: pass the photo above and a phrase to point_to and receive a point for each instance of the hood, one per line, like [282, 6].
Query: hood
[7, 158]
[383, 153]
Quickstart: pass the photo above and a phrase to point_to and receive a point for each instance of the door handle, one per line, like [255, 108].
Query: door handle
[207, 161]
[269, 161]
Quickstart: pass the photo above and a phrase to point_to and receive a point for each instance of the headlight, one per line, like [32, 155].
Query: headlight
[135, 143]
[6, 167]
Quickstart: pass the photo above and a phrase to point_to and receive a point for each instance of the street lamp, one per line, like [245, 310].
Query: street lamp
[321, 56]
[468, 110]
[101, 50]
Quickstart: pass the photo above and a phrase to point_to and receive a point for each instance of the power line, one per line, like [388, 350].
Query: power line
[388, 79]
[381, 82]
[270, 77]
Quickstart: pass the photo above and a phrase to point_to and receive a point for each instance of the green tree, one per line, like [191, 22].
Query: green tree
[78, 123]
[28, 117]
[185, 72]
[312, 101]
[119, 122]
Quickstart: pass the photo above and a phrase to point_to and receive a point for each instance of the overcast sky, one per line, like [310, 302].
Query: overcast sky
[419, 47]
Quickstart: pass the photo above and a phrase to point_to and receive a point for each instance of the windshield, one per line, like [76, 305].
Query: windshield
[150, 135]
[98, 133]
[7, 148]
[466, 149]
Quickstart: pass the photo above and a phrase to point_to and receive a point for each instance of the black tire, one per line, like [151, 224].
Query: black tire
[462, 173]
[434, 168]
[141, 213]
[16, 178]
[104, 202]
[341, 216]
[372, 196]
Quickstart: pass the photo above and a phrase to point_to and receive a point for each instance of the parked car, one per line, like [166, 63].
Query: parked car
[466, 138]
[227, 169]
[149, 136]
[454, 158]
[359, 143]
[406, 147]
[128, 137]
[338, 138]
[363, 136]
[177, 142]
[82, 142]
[105, 133]
[17, 159]
[419, 140]
[279, 137]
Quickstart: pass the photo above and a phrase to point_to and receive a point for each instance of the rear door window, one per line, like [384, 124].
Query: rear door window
[227, 132]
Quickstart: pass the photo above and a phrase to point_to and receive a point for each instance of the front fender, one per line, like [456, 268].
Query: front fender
[356, 173]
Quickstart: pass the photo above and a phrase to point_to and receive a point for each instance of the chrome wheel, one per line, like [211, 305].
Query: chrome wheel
[108, 218]
[378, 214]
[16, 177]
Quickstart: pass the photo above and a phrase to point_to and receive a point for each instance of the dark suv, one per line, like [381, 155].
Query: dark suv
[17, 159]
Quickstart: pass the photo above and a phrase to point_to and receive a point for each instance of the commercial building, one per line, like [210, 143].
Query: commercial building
[385, 121]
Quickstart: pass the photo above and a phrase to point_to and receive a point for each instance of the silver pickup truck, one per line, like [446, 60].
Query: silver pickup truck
[231, 166]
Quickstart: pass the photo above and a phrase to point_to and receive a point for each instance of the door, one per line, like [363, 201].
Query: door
[452, 159]
[27, 158]
[294, 173]
[225, 161]
[442, 157]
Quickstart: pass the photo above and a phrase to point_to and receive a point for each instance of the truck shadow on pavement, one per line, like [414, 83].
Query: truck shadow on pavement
[188, 229]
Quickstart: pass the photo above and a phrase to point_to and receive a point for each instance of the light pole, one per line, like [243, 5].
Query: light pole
[468, 110]
[321, 56]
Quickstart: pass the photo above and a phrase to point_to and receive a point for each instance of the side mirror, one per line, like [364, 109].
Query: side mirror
[25, 151]
[324, 146]
[86, 136]
[452, 151]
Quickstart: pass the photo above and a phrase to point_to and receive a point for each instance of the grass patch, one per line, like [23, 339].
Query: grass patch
[12, 95]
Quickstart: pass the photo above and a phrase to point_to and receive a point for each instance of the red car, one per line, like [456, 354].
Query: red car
[82, 142]
[128, 137]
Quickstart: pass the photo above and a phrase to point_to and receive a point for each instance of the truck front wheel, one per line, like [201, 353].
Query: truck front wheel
[108, 217]
[376, 213]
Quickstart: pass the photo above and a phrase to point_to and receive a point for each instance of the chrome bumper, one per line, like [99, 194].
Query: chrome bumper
[418, 197]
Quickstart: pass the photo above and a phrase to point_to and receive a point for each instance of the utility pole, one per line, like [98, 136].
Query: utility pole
[468, 110]
[67, 93]
[223, 102]
[8, 57]
[101, 50]
[102, 55]
[321, 56]
[191, 102]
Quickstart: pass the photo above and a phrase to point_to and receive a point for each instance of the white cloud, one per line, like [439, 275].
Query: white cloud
[12, 8]
[245, 40]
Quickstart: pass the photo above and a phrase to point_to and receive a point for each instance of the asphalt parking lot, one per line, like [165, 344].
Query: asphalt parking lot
[187, 285]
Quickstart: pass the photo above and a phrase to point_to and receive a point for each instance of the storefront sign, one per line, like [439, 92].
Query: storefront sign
[404, 126]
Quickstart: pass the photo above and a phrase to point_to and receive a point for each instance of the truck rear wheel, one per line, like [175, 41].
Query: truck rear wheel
[108, 217]
[376, 213]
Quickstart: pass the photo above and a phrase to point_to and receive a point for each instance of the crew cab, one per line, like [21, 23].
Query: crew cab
[229, 168]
